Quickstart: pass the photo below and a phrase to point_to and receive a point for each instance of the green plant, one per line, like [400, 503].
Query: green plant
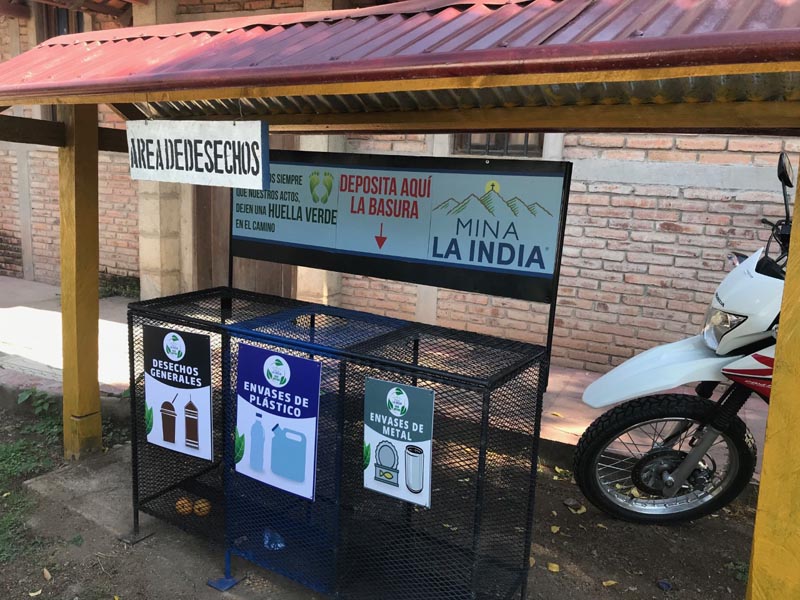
[42, 402]
[238, 453]
[148, 419]
[118, 285]
[367, 455]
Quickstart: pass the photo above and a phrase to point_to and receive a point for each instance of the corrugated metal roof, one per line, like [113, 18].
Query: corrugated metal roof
[428, 55]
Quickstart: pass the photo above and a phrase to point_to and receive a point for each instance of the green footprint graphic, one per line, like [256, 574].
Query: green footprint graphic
[327, 181]
[317, 194]
[313, 182]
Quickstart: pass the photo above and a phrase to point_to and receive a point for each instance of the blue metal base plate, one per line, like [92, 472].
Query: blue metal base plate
[223, 584]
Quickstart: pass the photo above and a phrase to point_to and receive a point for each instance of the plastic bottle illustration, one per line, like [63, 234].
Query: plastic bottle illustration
[257, 445]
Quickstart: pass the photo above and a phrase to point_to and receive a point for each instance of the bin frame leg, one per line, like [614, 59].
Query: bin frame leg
[223, 584]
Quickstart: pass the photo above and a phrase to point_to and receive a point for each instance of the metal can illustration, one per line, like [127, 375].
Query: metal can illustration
[415, 469]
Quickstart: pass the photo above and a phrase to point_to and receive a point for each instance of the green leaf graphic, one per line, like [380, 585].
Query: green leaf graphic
[388, 404]
[238, 447]
[403, 410]
[269, 374]
[283, 379]
[174, 338]
[367, 455]
[398, 392]
[148, 420]
[278, 362]
[180, 354]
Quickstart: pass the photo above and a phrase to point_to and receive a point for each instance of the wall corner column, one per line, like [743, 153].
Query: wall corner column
[80, 259]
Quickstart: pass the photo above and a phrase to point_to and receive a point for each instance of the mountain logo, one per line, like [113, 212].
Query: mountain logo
[494, 203]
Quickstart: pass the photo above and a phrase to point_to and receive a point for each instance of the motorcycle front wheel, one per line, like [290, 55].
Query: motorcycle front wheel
[621, 458]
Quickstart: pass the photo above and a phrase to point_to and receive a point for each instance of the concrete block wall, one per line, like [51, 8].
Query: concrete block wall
[10, 227]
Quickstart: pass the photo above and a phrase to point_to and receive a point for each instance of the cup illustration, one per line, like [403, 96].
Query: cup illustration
[168, 421]
[415, 469]
[191, 421]
[257, 445]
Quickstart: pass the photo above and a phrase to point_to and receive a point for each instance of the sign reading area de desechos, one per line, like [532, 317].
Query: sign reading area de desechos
[218, 153]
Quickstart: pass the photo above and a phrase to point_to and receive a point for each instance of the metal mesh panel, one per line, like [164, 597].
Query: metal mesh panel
[352, 542]
[162, 476]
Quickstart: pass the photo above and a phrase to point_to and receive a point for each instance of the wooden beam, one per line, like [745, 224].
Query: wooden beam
[53, 133]
[112, 140]
[180, 92]
[14, 9]
[775, 560]
[733, 117]
[32, 131]
[80, 305]
[129, 112]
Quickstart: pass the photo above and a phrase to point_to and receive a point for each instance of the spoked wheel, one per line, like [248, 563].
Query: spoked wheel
[623, 456]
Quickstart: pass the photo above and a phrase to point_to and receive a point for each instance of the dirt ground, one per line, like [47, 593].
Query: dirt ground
[703, 560]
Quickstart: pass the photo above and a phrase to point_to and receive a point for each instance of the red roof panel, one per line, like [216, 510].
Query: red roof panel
[416, 38]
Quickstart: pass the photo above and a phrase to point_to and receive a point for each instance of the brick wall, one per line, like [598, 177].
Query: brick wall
[409, 143]
[209, 6]
[379, 296]
[641, 261]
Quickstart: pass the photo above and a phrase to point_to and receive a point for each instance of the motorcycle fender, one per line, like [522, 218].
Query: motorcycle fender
[658, 370]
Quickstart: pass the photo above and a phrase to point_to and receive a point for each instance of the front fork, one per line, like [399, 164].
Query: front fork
[720, 419]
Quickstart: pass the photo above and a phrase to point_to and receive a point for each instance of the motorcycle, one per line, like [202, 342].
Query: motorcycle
[665, 457]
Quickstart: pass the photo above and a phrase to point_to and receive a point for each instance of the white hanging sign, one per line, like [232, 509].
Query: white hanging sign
[216, 153]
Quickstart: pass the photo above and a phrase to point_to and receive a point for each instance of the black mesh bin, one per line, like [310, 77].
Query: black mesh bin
[351, 542]
[162, 477]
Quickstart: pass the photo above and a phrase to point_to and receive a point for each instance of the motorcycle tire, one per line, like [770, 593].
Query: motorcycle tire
[623, 419]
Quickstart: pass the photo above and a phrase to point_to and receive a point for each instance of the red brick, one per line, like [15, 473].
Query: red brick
[649, 141]
[602, 140]
[701, 142]
[748, 144]
[671, 156]
[724, 158]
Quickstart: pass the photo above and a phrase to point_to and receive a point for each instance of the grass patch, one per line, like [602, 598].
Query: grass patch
[19, 460]
[119, 285]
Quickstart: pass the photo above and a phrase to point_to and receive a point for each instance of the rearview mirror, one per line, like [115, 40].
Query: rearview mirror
[785, 171]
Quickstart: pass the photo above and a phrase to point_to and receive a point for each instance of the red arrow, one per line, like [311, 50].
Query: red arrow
[380, 238]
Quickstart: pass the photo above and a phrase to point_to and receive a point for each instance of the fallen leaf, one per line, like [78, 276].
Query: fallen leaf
[609, 583]
[46, 574]
[33, 594]
[552, 567]
[6, 495]
[532, 561]
[601, 526]
[116, 597]
[560, 471]
[635, 492]
[559, 415]
[554, 528]
[554, 513]
[580, 511]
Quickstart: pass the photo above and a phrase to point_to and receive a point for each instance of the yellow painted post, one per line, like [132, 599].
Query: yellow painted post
[80, 257]
[775, 561]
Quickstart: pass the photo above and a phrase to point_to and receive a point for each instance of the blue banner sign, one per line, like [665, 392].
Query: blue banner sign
[276, 419]
[505, 218]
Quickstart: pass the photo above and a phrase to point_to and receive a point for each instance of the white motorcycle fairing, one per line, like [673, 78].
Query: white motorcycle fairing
[657, 370]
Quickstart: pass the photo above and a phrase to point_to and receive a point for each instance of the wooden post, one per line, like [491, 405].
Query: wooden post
[775, 561]
[80, 257]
